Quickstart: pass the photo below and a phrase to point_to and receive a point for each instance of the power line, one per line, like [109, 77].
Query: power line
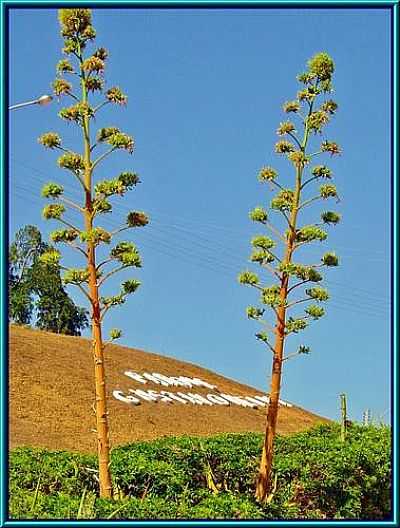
[182, 223]
[192, 255]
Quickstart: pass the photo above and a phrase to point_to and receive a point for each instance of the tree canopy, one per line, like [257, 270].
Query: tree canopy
[36, 292]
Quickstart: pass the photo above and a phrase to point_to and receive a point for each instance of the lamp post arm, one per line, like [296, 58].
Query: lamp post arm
[42, 101]
[20, 105]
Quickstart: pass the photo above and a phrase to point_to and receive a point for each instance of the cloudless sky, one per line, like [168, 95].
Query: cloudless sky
[205, 91]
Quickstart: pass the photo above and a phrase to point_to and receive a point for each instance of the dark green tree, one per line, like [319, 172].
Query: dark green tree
[36, 292]
[23, 252]
[54, 309]
[85, 235]
[278, 252]
[21, 304]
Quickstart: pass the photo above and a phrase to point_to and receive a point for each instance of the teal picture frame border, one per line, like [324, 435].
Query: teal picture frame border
[393, 6]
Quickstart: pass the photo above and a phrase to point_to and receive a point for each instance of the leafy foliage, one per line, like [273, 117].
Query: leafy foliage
[317, 477]
[36, 289]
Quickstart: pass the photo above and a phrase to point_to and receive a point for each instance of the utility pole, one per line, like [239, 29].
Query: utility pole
[366, 417]
[343, 406]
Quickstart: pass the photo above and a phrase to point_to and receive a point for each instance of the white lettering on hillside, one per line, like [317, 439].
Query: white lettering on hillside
[119, 395]
[218, 400]
[134, 376]
[163, 396]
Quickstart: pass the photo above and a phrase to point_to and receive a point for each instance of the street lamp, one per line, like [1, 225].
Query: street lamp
[42, 101]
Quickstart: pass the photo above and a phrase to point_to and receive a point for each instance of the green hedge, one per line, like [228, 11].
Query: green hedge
[317, 477]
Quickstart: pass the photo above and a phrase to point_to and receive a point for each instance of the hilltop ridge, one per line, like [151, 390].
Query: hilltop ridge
[51, 396]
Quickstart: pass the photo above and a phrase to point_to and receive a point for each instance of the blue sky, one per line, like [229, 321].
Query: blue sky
[205, 92]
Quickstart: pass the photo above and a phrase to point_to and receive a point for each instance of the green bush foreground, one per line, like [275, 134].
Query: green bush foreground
[316, 477]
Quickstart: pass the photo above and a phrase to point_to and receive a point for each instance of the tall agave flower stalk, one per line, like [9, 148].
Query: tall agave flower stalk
[89, 239]
[277, 253]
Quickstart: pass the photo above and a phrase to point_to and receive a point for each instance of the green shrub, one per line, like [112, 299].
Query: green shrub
[135, 475]
[317, 477]
[226, 506]
[57, 470]
[26, 505]
[148, 508]
[323, 477]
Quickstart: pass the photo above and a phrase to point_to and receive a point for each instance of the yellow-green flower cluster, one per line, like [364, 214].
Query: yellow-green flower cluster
[76, 112]
[315, 311]
[261, 257]
[271, 296]
[329, 106]
[104, 133]
[93, 65]
[291, 106]
[76, 276]
[298, 158]
[50, 140]
[64, 66]
[283, 201]
[114, 300]
[74, 21]
[248, 277]
[71, 161]
[262, 336]
[117, 139]
[309, 94]
[258, 214]
[137, 219]
[94, 84]
[52, 190]
[102, 206]
[121, 141]
[284, 147]
[328, 191]
[267, 174]
[101, 53]
[330, 146]
[319, 294]
[254, 313]
[61, 87]
[330, 259]
[96, 236]
[317, 120]
[321, 171]
[130, 286]
[127, 254]
[262, 242]
[53, 211]
[294, 326]
[64, 235]
[285, 128]
[310, 233]
[307, 273]
[119, 185]
[322, 66]
[115, 333]
[330, 217]
[115, 95]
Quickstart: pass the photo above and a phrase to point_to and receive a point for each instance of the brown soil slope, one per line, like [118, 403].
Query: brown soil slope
[51, 396]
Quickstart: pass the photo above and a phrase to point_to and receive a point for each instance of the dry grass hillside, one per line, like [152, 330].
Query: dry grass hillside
[51, 396]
